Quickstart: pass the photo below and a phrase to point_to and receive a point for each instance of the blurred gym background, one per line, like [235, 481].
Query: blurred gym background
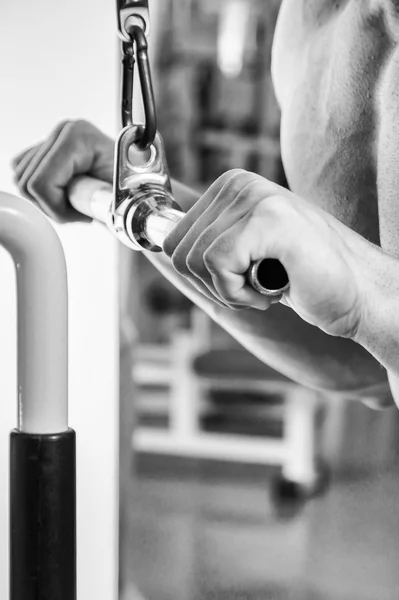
[235, 483]
[242, 485]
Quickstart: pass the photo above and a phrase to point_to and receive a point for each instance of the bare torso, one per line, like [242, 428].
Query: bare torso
[329, 58]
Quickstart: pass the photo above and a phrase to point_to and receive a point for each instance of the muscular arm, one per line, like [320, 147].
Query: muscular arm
[278, 336]
[379, 328]
[283, 340]
[383, 336]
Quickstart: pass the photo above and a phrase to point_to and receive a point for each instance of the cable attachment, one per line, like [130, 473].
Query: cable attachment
[141, 189]
[132, 12]
[134, 48]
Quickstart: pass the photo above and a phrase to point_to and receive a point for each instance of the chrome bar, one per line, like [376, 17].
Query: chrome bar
[144, 218]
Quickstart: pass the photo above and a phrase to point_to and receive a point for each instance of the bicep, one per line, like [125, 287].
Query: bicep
[388, 169]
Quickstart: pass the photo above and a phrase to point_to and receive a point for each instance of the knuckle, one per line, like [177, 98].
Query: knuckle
[195, 265]
[22, 188]
[77, 125]
[87, 131]
[75, 133]
[228, 175]
[169, 245]
[227, 178]
[63, 128]
[179, 264]
[40, 190]
[273, 205]
[205, 239]
[233, 173]
[22, 182]
[214, 260]
[236, 180]
[40, 181]
[83, 124]
[227, 296]
[210, 259]
[239, 185]
[195, 258]
[236, 307]
[36, 187]
[68, 136]
[246, 193]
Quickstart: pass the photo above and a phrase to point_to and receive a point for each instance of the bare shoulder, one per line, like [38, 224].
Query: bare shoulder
[391, 7]
[318, 31]
[388, 153]
[329, 58]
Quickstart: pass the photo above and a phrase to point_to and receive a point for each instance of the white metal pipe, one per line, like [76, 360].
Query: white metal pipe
[42, 301]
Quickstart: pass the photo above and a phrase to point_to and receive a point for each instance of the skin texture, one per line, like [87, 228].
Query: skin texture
[336, 76]
[334, 73]
[44, 171]
[328, 59]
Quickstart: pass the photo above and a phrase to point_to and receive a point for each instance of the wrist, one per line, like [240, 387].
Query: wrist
[379, 292]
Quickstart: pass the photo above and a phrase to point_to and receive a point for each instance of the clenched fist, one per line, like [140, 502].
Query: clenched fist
[243, 217]
[44, 172]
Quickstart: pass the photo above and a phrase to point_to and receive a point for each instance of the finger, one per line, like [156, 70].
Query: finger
[32, 159]
[248, 196]
[21, 161]
[187, 259]
[23, 165]
[78, 148]
[235, 198]
[200, 287]
[227, 261]
[221, 181]
[20, 158]
[219, 194]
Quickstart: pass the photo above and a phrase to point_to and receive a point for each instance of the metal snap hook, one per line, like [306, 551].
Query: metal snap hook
[138, 41]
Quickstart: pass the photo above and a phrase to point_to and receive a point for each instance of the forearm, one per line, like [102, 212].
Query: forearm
[281, 339]
[290, 345]
[378, 331]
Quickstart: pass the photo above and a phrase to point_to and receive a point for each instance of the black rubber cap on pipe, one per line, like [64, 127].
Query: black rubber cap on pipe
[42, 516]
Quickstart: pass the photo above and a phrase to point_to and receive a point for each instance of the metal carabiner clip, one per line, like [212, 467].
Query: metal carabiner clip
[133, 29]
[128, 61]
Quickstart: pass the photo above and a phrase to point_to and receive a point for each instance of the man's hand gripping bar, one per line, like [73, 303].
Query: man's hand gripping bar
[141, 211]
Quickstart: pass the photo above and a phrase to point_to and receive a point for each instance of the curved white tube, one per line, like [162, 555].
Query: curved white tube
[42, 299]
